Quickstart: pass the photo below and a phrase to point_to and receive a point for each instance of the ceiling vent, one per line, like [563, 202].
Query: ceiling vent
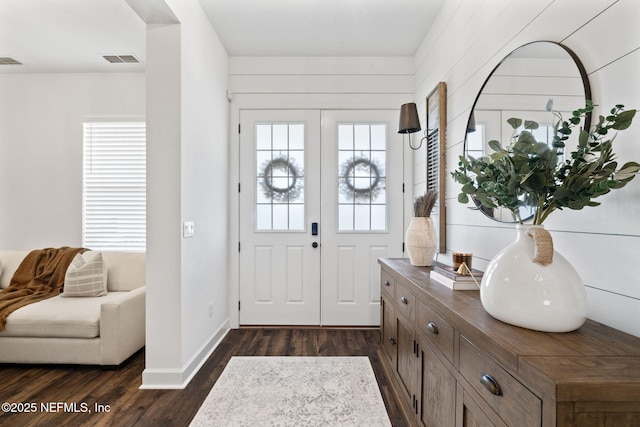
[5, 60]
[121, 59]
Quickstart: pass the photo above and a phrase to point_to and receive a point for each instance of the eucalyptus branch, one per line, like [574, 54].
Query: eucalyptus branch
[529, 173]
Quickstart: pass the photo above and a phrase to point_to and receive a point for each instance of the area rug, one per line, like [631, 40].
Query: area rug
[294, 391]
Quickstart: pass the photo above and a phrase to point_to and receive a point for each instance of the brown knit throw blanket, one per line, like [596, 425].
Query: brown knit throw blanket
[39, 276]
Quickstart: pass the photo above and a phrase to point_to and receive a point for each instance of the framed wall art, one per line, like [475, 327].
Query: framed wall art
[436, 155]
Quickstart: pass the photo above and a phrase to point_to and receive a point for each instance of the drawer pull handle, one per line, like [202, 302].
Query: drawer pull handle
[404, 299]
[386, 283]
[491, 384]
[433, 328]
[392, 341]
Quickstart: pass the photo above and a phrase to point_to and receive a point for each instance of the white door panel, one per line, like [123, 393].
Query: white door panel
[362, 211]
[279, 199]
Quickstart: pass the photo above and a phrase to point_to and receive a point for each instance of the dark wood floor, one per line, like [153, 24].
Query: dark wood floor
[128, 406]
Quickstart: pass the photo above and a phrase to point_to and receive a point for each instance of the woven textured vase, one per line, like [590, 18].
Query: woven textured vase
[520, 291]
[421, 241]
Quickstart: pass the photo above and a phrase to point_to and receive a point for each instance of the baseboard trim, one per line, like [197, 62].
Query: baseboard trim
[157, 379]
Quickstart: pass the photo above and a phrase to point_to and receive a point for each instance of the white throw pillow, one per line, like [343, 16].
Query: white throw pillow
[86, 276]
[0, 271]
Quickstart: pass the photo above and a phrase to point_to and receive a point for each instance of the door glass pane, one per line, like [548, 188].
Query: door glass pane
[296, 137]
[280, 176]
[345, 137]
[263, 137]
[378, 137]
[361, 177]
[345, 216]
[362, 137]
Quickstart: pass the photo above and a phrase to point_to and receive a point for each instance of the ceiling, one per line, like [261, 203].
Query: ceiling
[69, 35]
[322, 27]
[73, 35]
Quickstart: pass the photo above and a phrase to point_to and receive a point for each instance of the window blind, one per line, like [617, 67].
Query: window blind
[433, 160]
[114, 186]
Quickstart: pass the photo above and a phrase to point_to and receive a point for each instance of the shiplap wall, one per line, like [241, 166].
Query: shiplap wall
[468, 40]
[320, 82]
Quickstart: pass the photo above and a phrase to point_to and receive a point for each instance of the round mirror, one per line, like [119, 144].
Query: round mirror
[526, 84]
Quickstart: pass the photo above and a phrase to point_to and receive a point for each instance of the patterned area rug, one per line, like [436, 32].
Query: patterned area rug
[294, 391]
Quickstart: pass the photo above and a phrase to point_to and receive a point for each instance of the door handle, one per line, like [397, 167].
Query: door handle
[314, 245]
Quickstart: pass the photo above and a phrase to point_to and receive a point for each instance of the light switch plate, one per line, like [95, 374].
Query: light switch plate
[188, 229]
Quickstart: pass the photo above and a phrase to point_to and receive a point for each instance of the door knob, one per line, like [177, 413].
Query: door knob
[433, 328]
[314, 244]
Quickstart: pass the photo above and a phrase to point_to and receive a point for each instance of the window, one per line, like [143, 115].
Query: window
[114, 186]
[361, 178]
[475, 141]
[280, 186]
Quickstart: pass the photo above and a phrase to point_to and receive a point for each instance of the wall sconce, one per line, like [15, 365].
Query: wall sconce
[471, 125]
[410, 122]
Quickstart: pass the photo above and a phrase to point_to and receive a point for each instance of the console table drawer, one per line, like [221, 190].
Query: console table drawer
[405, 302]
[388, 285]
[511, 401]
[437, 329]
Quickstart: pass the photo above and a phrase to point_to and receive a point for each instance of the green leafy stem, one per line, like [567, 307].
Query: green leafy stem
[530, 173]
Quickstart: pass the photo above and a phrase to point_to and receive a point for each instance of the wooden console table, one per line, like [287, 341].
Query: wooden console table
[451, 364]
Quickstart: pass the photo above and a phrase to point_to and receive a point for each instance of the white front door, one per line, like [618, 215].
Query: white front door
[362, 211]
[316, 213]
[279, 201]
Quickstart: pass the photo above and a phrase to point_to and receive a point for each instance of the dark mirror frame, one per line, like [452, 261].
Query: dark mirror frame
[587, 93]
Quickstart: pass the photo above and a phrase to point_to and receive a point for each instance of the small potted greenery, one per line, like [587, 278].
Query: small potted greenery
[528, 284]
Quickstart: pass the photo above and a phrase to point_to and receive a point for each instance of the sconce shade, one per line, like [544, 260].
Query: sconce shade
[409, 121]
[471, 126]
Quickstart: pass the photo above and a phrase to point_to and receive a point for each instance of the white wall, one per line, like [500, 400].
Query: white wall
[309, 83]
[41, 118]
[468, 40]
[187, 149]
[205, 136]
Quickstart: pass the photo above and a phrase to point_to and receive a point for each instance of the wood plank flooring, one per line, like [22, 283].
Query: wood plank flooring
[86, 386]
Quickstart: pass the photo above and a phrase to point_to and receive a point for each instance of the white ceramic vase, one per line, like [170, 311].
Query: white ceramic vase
[421, 240]
[521, 292]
